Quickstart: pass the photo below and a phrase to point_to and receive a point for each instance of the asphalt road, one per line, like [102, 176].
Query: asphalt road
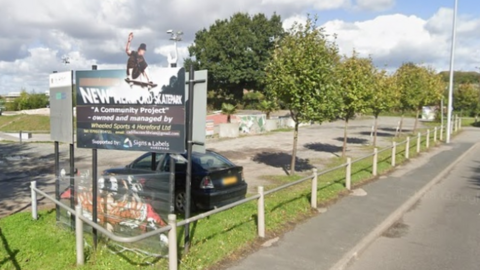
[440, 232]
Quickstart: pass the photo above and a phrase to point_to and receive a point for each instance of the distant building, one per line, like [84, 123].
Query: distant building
[10, 97]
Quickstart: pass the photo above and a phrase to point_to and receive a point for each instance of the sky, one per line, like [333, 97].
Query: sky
[37, 35]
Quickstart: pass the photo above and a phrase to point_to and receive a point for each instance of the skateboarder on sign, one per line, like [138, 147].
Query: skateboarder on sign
[136, 65]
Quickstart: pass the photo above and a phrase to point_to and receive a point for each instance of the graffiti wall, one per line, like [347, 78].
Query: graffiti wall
[251, 124]
[127, 205]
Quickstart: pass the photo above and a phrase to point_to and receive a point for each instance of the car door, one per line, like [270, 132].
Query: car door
[154, 182]
[144, 165]
[180, 168]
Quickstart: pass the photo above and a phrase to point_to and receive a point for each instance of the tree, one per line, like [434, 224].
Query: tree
[268, 106]
[301, 75]
[235, 51]
[461, 77]
[419, 86]
[411, 82]
[27, 101]
[385, 96]
[466, 99]
[431, 92]
[252, 99]
[228, 110]
[357, 78]
[408, 89]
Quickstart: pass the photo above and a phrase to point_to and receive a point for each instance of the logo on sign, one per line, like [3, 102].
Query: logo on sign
[127, 143]
[61, 79]
[60, 96]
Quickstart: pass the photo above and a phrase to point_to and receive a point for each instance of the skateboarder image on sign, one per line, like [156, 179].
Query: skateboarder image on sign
[137, 72]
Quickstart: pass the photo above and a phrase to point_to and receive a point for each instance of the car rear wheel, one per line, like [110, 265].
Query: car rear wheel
[181, 201]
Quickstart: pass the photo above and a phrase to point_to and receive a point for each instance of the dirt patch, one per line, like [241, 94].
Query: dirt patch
[397, 230]
[245, 153]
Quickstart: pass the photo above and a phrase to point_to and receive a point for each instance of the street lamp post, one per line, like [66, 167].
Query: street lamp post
[450, 87]
[175, 36]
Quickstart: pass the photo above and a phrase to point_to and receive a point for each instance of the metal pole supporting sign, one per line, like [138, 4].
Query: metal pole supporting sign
[57, 176]
[72, 171]
[190, 143]
[94, 188]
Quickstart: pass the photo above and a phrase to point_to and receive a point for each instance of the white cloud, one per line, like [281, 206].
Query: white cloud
[375, 5]
[37, 34]
[394, 39]
[288, 22]
[96, 31]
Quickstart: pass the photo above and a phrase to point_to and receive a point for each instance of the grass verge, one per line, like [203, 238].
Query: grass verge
[15, 123]
[215, 240]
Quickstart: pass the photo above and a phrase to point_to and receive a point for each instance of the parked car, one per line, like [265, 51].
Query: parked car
[216, 181]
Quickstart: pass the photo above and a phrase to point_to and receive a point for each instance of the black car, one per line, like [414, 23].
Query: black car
[216, 181]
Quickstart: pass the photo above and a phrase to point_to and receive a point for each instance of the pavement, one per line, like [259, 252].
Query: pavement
[333, 239]
[440, 232]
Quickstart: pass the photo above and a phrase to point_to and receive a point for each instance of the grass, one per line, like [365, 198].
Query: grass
[24, 122]
[224, 236]
[287, 129]
[393, 114]
[40, 244]
[470, 121]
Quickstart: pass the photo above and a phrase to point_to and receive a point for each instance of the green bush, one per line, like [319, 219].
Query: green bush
[28, 101]
[251, 100]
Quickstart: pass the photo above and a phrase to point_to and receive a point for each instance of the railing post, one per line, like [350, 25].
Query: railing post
[419, 142]
[460, 124]
[453, 128]
[79, 235]
[313, 199]
[348, 174]
[407, 148]
[435, 135]
[33, 185]
[20, 136]
[394, 153]
[172, 242]
[375, 161]
[261, 213]
[427, 143]
[454, 124]
[441, 133]
[371, 133]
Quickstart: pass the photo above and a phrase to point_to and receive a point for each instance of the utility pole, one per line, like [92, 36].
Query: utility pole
[175, 36]
[450, 86]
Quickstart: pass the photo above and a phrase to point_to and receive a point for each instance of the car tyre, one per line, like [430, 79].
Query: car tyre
[180, 201]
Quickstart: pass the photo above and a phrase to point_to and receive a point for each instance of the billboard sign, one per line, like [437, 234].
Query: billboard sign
[117, 113]
[61, 107]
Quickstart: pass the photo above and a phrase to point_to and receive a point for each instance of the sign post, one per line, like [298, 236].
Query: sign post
[188, 184]
[195, 137]
[61, 123]
[94, 188]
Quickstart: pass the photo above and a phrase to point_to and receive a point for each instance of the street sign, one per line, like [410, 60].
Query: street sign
[61, 113]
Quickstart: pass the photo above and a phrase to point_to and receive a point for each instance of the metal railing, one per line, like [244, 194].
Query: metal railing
[260, 197]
